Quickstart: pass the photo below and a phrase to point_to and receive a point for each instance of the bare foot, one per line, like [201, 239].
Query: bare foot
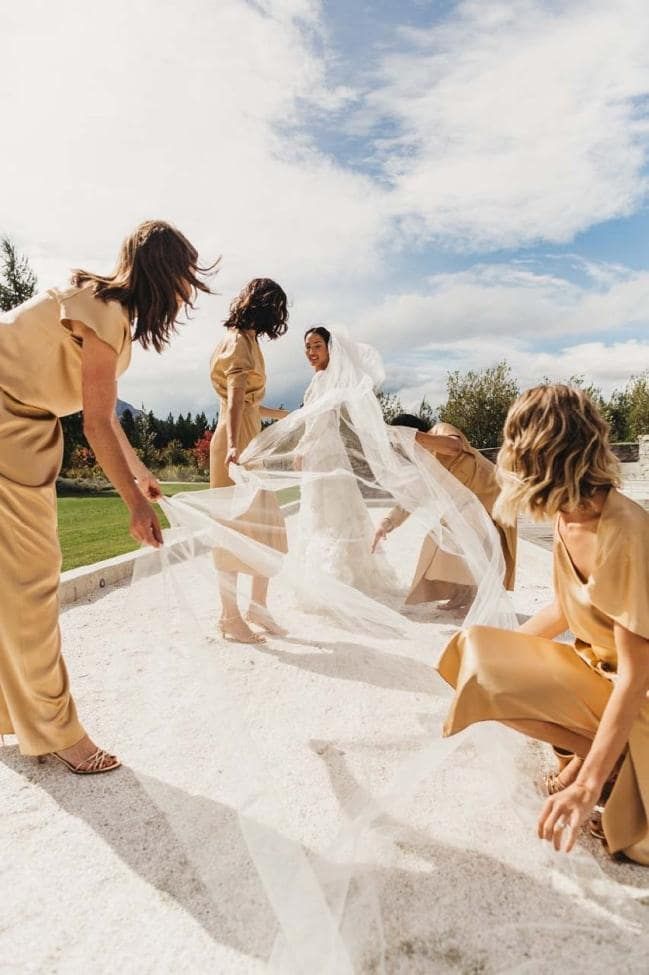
[461, 600]
[236, 629]
[86, 759]
[260, 615]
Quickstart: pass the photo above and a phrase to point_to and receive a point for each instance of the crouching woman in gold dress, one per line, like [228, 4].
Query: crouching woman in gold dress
[442, 575]
[588, 700]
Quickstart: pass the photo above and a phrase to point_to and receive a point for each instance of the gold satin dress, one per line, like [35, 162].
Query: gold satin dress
[439, 573]
[40, 380]
[238, 363]
[501, 674]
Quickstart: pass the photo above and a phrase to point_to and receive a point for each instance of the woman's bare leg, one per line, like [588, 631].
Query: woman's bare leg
[553, 734]
[232, 623]
[258, 612]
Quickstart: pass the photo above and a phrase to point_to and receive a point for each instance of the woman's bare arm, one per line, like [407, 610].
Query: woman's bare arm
[146, 482]
[547, 622]
[99, 390]
[233, 417]
[564, 813]
[623, 707]
[450, 446]
[269, 413]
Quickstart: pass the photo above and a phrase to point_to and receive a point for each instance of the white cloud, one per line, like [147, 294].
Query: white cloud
[516, 124]
[177, 110]
[608, 366]
[487, 313]
[517, 121]
[191, 112]
[510, 301]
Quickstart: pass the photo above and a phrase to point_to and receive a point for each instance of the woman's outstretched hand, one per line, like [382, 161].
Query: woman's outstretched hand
[145, 526]
[379, 535]
[232, 456]
[564, 814]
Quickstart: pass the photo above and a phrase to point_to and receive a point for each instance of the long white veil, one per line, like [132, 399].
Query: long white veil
[318, 778]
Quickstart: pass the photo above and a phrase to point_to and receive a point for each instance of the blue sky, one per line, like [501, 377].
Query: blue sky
[453, 182]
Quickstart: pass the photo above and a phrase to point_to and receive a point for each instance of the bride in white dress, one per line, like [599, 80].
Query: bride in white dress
[335, 528]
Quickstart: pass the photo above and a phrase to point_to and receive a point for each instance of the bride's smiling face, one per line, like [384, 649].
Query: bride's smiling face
[317, 351]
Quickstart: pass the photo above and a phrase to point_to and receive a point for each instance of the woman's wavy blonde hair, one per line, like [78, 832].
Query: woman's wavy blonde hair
[555, 454]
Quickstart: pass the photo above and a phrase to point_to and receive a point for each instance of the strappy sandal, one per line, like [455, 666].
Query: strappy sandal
[552, 780]
[97, 763]
[251, 637]
[595, 827]
[553, 783]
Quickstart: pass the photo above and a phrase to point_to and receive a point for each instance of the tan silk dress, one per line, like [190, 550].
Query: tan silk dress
[438, 573]
[499, 674]
[238, 363]
[40, 380]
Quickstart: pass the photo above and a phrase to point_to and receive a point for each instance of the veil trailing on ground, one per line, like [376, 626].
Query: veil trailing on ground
[339, 463]
[308, 493]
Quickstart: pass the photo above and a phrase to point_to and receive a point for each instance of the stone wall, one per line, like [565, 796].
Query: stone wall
[626, 453]
[643, 456]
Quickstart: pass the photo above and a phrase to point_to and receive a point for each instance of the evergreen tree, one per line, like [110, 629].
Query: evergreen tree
[200, 426]
[128, 425]
[18, 280]
[145, 438]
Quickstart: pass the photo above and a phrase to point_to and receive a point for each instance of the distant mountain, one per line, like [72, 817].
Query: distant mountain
[122, 406]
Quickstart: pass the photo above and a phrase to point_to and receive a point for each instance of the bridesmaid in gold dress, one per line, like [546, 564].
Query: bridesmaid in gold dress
[441, 575]
[238, 375]
[60, 352]
[588, 700]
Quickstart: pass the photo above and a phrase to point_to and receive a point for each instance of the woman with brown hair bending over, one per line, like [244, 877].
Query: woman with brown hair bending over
[441, 575]
[238, 375]
[588, 700]
[60, 352]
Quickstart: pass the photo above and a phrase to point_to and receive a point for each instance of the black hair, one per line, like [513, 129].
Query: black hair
[320, 330]
[409, 420]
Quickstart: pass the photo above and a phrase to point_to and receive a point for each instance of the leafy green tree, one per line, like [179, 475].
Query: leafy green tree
[637, 394]
[18, 281]
[174, 453]
[427, 413]
[478, 401]
[592, 391]
[390, 405]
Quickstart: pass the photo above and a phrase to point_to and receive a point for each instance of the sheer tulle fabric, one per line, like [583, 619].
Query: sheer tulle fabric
[334, 466]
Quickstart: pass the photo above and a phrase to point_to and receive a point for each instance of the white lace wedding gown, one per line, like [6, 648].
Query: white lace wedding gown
[335, 528]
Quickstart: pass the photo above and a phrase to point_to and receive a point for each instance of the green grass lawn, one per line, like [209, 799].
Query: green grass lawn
[95, 527]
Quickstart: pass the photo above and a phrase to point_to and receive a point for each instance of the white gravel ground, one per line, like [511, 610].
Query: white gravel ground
[146, 870]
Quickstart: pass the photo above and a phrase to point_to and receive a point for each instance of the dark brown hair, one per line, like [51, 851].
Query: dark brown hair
[410, 420]
[261, 306]
[320, 330]
[157, 273]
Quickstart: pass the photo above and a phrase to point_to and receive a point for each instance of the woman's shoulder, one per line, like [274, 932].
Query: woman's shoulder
[77, 299]
[622, 516]
[442, 429]
[237, 337]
